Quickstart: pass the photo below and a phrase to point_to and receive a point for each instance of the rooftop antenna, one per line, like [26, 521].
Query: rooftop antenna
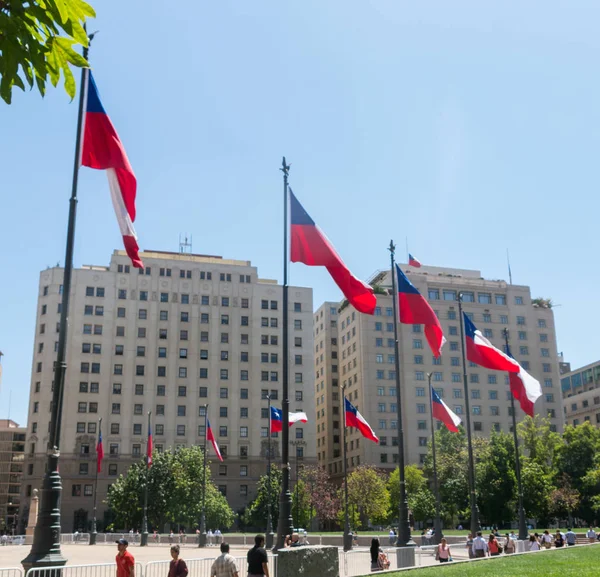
[185, 245]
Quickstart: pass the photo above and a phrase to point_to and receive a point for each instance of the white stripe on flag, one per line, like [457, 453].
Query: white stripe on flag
[125, 224]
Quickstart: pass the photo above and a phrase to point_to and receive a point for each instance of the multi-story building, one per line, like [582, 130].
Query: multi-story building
[12, 455]
[581, 395]
[366, 364]
[185, 331]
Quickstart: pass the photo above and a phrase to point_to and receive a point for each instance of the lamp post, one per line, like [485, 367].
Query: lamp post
[269, 535]
[202, 539]
[437, 522]
[404, 536]
[473, 496]
[347, 534]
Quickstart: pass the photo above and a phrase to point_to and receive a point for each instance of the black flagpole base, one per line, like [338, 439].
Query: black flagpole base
[45, 551]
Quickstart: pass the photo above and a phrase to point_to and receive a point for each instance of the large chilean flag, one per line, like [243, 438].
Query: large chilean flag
[415, 310]
[442, 412]
[103, 150]
[356, 420]
[310, 246]
[210, 436]
[481, 352]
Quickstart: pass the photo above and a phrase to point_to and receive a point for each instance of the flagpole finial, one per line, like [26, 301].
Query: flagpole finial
[285, 168]
[392, 247]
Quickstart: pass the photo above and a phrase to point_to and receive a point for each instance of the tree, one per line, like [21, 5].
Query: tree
[301, 504]
[367, 491]
[564, 500]
[421, 500]
[495, 477]
[452, 469]
[323, 494]
[39, 37]
[174, 492]
[256, 513]
[539, 442]
[537, 488]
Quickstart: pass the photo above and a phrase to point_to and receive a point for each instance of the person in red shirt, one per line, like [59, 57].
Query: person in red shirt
[124, 559]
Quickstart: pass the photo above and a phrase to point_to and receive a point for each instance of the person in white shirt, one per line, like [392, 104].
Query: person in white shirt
[392, 537]
[480, 546]
[570, 537]
[547, 539]
[209, 537]
[591, 535]
[533, 543]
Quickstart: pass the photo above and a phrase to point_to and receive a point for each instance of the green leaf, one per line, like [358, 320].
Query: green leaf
[28, 73]
[64, 44]
[53, 63]
[70, 86]
[18, 82]
[41, 84]
[62, 10]
[5, 89]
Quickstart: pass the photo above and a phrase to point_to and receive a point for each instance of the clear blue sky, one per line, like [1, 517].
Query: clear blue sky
[467, 127]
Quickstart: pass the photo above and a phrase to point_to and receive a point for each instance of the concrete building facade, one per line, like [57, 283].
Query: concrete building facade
[12, 455]
[581, 395]
[186, 331]
[366, 364]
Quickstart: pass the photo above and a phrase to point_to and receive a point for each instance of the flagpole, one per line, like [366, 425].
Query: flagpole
[523, 533]
[269, 533]
[404, 537]
[473, 496]
[202, 540]
[437, 522]
[347, 533]
[285, 525]
[144, 540]
[45, 549]
[94, 532]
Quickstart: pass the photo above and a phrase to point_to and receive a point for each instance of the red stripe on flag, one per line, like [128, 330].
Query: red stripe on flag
[311, 247]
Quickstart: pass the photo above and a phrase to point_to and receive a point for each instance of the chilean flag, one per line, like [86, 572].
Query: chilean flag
[442, 412]
[211, 437]
[310, 246]
[415, 310]
[412, 261]
[149, 447]
[103, 150]
[99, 451]
[276, 419]
[356, 420]
[525, 389]
[484, 353]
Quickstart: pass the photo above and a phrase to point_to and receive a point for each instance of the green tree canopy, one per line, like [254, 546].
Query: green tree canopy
[256, 513]
[37, 41]
[174, 493]
[367, 492]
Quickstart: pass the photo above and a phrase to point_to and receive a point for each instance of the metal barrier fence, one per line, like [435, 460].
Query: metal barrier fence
[11, 572]
[99, 570]
[201, 567]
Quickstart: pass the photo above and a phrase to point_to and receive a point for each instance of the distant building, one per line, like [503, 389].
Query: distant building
[12, 455]
[581, 395]
[357, 351]
[185, 331]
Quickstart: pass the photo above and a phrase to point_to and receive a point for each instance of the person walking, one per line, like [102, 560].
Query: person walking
[443, 551]
[379, 560]
[469, 546]
[178, 567]
[509, 545]
[591, 534]
[480, 546]
[258, 560]
[570, 537]
[124, 559]
[493, 546]
[224, 565]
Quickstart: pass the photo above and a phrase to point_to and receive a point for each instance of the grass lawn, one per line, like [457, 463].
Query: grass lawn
[573, 562]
